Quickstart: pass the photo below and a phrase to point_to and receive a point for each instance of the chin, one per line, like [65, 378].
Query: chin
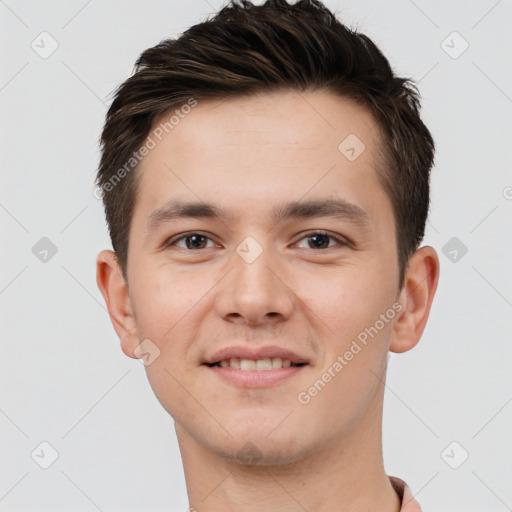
[262, 426]
[256, 447]
[264, 453]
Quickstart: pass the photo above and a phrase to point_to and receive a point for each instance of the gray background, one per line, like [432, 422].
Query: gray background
[63, 377]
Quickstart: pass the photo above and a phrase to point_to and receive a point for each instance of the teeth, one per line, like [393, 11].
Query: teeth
[247, 364]
[259, 364]
[277, 362]
[264, 364]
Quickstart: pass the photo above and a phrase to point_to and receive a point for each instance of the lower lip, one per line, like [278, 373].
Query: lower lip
[255, 378]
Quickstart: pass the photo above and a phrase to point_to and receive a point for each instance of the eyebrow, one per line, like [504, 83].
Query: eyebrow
[331, 207]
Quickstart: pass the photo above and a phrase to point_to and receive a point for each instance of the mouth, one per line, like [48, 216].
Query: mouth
[255, 373]
[247, 366]
[266, 364]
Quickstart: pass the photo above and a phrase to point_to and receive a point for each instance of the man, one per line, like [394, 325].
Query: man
[266, 185]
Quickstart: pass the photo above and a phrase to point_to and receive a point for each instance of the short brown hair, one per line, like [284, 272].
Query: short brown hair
[246, 49]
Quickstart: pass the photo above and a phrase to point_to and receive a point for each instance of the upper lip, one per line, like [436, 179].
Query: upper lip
[242, 352]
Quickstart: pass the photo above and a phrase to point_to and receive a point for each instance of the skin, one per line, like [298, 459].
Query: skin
[249, 155]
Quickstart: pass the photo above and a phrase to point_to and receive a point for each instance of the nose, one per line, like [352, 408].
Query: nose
[255, 292]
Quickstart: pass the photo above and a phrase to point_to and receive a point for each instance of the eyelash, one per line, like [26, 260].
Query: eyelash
[172, 241]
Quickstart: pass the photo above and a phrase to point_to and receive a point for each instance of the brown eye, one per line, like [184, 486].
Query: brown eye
[321, 240]
[192, 241]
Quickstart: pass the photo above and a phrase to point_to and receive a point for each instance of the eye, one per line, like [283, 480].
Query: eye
[192, 241]
[320, 240]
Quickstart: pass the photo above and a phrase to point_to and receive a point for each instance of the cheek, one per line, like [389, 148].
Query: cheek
[166, 306]
[346, 299]
[163, 301]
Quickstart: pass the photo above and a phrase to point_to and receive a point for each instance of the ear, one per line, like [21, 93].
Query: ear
[416, 297]
[114, 289]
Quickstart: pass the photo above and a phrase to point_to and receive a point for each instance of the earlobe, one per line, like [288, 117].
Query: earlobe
[115, 293]
[416, 298]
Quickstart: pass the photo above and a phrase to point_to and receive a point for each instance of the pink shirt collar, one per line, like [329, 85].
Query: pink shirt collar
[409, 504]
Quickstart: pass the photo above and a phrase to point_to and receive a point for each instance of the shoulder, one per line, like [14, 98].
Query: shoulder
[409, 504]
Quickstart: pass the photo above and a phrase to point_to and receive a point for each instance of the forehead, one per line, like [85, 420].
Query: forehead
[262, 148]
[285, 119]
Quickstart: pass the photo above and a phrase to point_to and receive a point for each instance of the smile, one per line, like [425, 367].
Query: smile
[248, 373]
[258, 364]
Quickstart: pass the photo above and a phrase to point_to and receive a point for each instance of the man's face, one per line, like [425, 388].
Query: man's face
[306, 284]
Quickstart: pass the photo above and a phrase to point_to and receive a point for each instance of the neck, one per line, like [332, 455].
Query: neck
[346, 475]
